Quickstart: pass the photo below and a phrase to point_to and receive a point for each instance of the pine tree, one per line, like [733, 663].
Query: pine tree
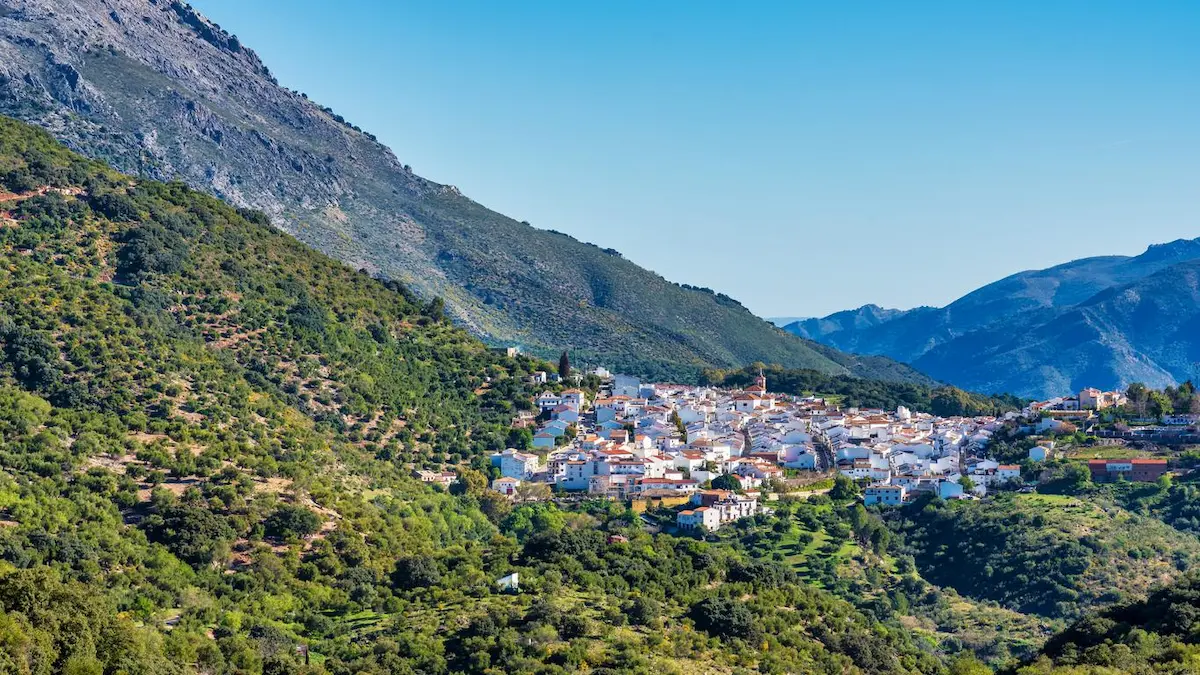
[564, 366]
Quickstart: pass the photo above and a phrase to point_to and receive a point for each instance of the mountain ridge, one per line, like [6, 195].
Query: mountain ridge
[1032, 333]
[156, 89]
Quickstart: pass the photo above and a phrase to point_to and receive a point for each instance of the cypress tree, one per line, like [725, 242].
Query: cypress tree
[564, 366]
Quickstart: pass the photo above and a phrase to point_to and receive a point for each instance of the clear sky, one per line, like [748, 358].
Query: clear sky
[801, 157]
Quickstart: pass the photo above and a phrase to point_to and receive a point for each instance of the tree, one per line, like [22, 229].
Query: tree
[726, 481]
[679, 425]
[843, 488]
[470, 482]
[966, 664]
[520, 439]
[564, 366]
[1159, 404]
[420, 571]
[290, 521]
[1138, 396]
[643, 611]
[1071, 478]
[967, 484]
[533, 492]
[725, 618]
[195, 535]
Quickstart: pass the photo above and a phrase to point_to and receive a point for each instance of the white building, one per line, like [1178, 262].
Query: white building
[887, 495]
[506, 486]
[950, 489]
[705, 516]
[1007, 472]
[516, 464]
[548, 400]
[574, 399]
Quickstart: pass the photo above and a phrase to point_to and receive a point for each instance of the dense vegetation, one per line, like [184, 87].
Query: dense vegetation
[837, 544]
[1155, 635]
[868, 393]
[207, 433]
[1176, 504]
[1051, 555]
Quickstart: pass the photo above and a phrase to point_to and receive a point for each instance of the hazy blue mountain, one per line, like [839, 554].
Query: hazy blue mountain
[1039, 332]
[864, 317]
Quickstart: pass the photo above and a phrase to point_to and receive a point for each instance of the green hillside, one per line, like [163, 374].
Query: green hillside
[206, 434]
[1050, 555]
[1155, 635]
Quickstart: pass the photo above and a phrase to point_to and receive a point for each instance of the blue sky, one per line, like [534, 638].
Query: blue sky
[801, 157]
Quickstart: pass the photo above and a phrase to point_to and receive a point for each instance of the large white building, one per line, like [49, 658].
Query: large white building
[705, 516]
[517, 464]
[887, 495]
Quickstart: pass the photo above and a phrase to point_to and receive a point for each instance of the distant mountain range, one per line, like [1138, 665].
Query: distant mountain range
[156, 89]
[1104, 321]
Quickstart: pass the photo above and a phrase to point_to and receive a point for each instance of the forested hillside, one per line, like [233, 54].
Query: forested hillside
[207, 431]
[1055, 556]
[1155, 635]
[206, 437]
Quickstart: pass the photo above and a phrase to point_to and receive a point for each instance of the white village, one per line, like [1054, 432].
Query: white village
[718, 455]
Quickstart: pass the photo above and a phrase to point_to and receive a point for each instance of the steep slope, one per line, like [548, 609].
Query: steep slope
[1031, 333]
[1055, 556]
[112, 289]
[156, 89]
[1155, 635]
[1145, 331]
[206, 434]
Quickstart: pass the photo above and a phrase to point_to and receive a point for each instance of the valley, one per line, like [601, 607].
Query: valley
[272, 403]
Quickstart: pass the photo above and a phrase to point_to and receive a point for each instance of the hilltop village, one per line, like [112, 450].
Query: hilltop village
[719, 455]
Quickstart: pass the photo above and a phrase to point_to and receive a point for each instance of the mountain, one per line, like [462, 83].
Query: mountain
[851, 319]
[1104, 321]
[1144, 331]
[156, 89]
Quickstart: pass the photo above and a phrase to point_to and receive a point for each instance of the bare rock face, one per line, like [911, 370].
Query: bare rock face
[156, 89]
